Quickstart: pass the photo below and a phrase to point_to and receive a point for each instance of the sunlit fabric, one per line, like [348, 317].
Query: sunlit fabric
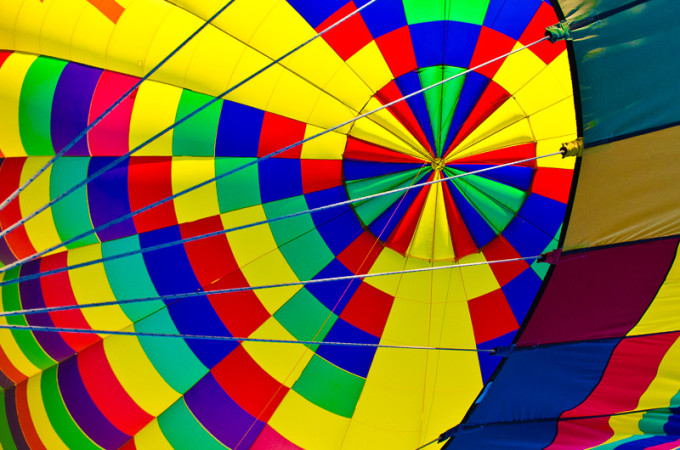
[64, 62]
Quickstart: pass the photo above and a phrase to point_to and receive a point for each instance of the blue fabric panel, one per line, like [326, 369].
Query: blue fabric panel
[515, 176]
[174, 278]
[356, 360]
[511, 17]
[521, 436]
[359, 170]
[521, 291]
[542, 383]
[640, 444]
[385, 224]
[407, 84]
[672, 427]
[334, 295]
[481, 232]
[489, 362]
[461, 40]
[279, 178]
[428, 43]
[238, 132]
[314, 11]
[71, 107]
[383, 16]
[108, 199]
[535, 225]
[337, 226]
[473, 88]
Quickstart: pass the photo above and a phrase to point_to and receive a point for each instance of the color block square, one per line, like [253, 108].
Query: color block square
[238, 132]
[279, 132]
[350, 35]
[491, 316]
[368, 309]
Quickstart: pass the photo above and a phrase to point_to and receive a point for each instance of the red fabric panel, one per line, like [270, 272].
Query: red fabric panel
[17, 240]
[107, 393]
[401, 237]
[320, 174]
[490, 45]
[9, 370]
[360, 255]
[397, 49]
[241, 312]
[368, 309]
[348, 37]
[207, 256]
[249, 385]
[491, 316]
[503, 156]
[365, 151]
[279, 132]
[462, 241]
[150, 180]
[27, 427]
[270, 439]
[57, 291]
[553, 183]
[110, 136]
[402, 112]
[500, 248]
[631, 369]
[599, 293]
[546, 50]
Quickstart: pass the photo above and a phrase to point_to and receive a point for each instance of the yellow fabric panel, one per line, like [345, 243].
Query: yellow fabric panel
[346, 85]
[90, 285]
[257, 254]
[155, 109]
[152, 438]
[556, 120]
[16, 17]
[137, 375]
[518, 69]
[93, 31]
[625, 194]
[371, 67]
[477, 280]
[415, 286]
[504, 127]
[187, 172]
[14, 353]
[547, 146]
[40, 229]
[662, 314]
[295, 98]
[545, 90]
[388, 261]
[328, 146]
[12, 74]
[367, 129]
[284, 362]
[432, 238]
[39, 417]
[295, 416]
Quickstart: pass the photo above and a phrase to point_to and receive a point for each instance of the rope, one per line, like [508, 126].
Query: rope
[122, 158]
[115, 104]
[229, 230]
[232, 338]
[225, 174]
[50, 309]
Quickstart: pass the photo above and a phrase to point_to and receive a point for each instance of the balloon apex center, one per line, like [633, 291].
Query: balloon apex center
[438, 164]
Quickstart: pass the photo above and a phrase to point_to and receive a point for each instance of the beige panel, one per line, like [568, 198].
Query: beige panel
[627, 191]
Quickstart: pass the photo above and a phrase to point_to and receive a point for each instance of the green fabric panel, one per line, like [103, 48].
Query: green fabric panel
[626, 65]
[129, 278]
[418, 11]
[303, 247]
[370, 210]
[197, 135]
[61, 420]
[497, 216]
[71, 214]
[508, 196]
[329, 387]
[441, 100]
[6, 441]
[11, 301]
[541, 269]
[35, 105]
[183, 431]
[172, 358]
[240, 189]
[653, 422]
[303, 316]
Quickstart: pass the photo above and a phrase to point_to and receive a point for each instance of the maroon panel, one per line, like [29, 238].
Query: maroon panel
[599, 293]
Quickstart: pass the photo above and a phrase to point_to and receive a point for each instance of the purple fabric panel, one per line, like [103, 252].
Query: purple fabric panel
[6, 255]
[31, 297]
[108, 199]
[210, 404]
[5, 382]
[599, 293]
[71, 106]
[13, 419]
[83, 410]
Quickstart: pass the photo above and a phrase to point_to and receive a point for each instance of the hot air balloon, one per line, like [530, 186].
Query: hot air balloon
[289, 224]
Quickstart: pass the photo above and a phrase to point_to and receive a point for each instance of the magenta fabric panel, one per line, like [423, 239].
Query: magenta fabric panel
[599, 293]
